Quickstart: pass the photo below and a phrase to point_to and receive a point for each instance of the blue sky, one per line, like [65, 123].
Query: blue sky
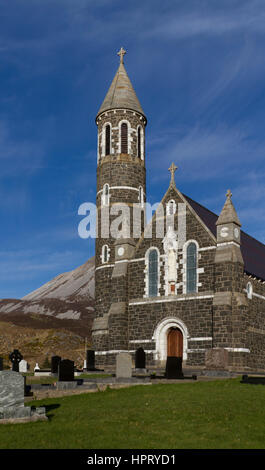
[198, 68]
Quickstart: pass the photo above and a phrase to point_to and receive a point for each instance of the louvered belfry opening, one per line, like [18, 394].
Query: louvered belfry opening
[139, 143]
[107, 140]
[124, 138]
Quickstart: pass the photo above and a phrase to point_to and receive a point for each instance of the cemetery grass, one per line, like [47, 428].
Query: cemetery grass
[220, 414]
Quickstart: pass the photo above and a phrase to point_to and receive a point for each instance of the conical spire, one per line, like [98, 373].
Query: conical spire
[228, 213]
[121, 93]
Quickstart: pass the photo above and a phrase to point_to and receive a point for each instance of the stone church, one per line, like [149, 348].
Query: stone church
[197, 287]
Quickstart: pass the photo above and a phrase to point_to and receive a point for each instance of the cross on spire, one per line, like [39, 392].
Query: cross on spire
[229, 194]
[121, 53]
[172, 170]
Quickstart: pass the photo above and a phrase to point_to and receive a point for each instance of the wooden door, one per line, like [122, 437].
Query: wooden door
[175, 343]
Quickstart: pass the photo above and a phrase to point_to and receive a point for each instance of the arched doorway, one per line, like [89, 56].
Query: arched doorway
[175, 342]
[160, 337]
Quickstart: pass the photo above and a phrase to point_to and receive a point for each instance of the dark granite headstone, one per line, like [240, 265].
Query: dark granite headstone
[55, 360]
[66, 371]
[1, 364]
[140, 359]
[174, 368]
[15, 357]
[90, 360]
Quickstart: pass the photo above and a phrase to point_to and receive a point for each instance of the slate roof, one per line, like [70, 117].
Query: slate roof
[121, 94]
[253, 251]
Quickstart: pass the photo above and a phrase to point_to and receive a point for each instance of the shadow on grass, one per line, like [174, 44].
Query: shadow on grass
[49, 408]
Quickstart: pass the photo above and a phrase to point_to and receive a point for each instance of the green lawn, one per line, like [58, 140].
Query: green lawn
[211, 415]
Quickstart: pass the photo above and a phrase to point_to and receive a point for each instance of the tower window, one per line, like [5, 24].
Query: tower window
[191, 268]
[139, 143]
[105, 254]
[249, 290]
[141, 196]
[107, 139]
[171, 207]
[124, 138]
[105, 195]
[153, 273]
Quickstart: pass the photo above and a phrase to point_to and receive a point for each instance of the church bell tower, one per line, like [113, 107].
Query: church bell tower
[121, 190]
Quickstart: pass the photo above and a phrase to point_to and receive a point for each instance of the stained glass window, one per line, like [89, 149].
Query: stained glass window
[191, 268]
[153, 273]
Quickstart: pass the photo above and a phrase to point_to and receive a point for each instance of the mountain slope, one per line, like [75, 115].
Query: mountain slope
[66, 303]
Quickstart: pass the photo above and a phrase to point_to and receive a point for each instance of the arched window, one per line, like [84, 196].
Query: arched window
[141, 196]
[139, 143]
[107, 139]
[105, 195]
[249, 290]
[153, 273]
[191, 268]
[171, 207]
[105, 254]
[124, 137]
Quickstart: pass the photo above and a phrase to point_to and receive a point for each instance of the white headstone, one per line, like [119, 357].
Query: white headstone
[23, 366]
[123, 365]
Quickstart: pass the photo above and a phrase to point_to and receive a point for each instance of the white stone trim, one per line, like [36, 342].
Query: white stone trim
[173, 299]
[105, 198]
[207, 248]
[258, 295]
[209, 338]
[141, 341]
[160, 337]
[103, 139]
[119, 187]
[118, 351]
[105, 266]
[228, 243]
[254, 294]
[103, 261]
[190, 351]
[110, 111]
[136, 259]
[142, 140]
[238, 350]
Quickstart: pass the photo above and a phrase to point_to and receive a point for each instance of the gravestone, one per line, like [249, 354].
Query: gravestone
[216, 359]
[66, 371]
[140, 358]
[55, 360]
[12, 407]
[174, 368]
[1, 364]
[123, 366]
[23, 366]
[90, 359]
[15, 357]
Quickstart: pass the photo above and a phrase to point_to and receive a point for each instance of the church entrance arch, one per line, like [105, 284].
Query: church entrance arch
[171, 336]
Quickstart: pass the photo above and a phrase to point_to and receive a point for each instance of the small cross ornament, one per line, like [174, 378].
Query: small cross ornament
[172, 170]
[229, 194]
[121, 53]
